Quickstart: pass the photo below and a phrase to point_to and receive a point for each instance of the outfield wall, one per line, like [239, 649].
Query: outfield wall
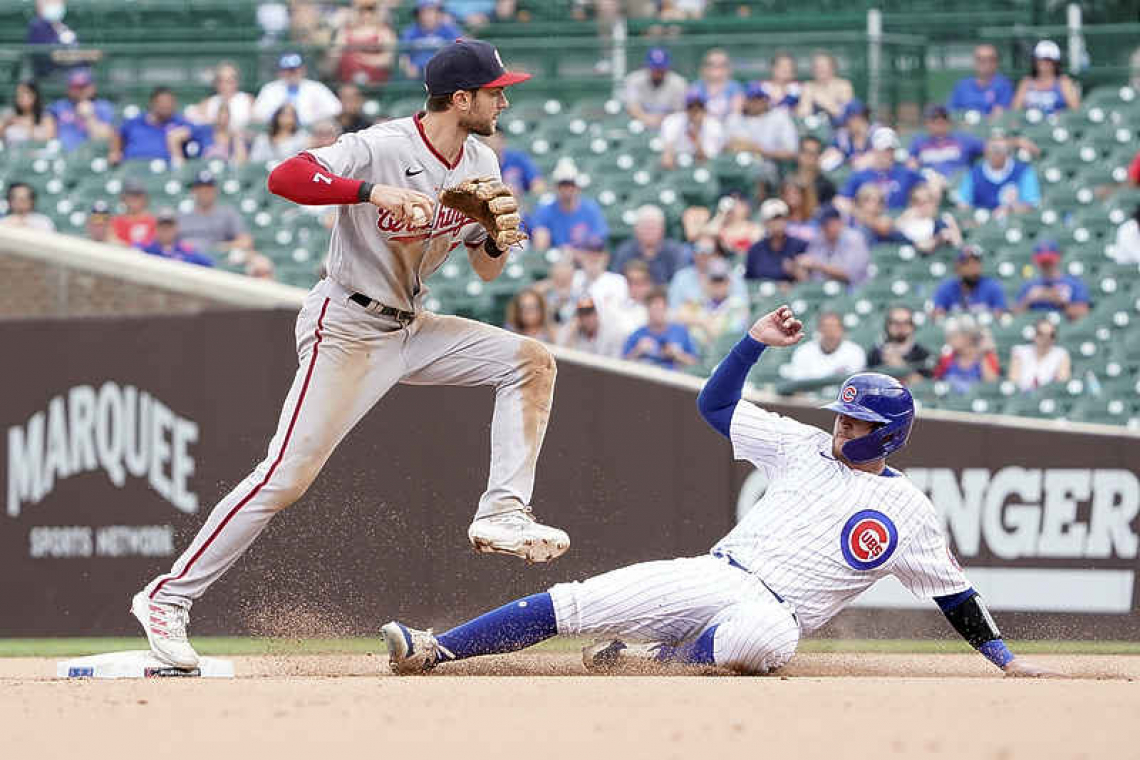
[117, 435]
[120, 433]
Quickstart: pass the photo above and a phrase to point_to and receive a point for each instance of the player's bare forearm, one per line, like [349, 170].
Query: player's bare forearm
[486, 266]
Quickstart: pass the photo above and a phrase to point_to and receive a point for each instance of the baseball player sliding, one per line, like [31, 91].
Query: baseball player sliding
[363, 329]
[834, 519]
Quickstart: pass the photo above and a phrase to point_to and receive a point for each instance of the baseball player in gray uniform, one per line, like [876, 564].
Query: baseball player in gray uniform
[363, 329]
[834, 520]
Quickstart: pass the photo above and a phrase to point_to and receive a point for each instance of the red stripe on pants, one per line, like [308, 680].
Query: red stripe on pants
[272, 468]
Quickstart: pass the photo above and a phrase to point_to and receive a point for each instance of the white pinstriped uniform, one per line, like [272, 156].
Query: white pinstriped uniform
[822, 534]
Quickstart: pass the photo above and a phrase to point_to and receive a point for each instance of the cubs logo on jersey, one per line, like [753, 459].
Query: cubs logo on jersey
[868, 539]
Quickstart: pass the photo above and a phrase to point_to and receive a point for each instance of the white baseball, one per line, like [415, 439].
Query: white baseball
[419, 218]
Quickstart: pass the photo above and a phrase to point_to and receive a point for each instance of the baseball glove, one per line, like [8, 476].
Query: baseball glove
[488, 201]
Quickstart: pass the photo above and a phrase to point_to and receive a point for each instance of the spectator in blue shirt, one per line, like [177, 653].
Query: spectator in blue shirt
[519, 172]
[773, 257]
[852, 143]
[1046, 89]
[661, 342]
[1000, 182]
[168, 245]
[942, 149]
[428, 33]
[970, 290]
[145, 136]
[81, 116]
[723, 96]
[894, 179]
[987, 91]
[1053, 290]
[569, 216]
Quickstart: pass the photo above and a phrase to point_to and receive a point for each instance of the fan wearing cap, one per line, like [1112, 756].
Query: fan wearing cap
[655, 91]
[999, 182]
[606, 289]
[718, 311]
[773, 257]
[941, 148]
[838, 252]
[896, 180]
[1053, 290]
[98, 224]
[428, 33]
[569, 216]
[213, 226]
[988, 91]
[763, 129]
[365, 327]
[852, 142]
[168, 244]
[312, 100]
[590, 331]
[1046, 89]
[691, 132]
[969, 290]
[81, 116]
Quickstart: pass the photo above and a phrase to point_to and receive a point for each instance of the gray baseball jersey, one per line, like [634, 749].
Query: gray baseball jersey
[371, 254]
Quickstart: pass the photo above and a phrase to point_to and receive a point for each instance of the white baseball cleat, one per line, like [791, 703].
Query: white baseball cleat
[165, 626]
[617, 656]
[409, 650]
[518, 533]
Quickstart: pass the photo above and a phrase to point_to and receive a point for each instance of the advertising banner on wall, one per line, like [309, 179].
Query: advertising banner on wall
[118, 435]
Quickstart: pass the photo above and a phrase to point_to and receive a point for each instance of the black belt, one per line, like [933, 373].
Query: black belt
[376, 307]
[732, 561]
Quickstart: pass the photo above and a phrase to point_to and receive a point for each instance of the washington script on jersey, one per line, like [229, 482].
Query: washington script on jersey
[446, 222]
[123, 430]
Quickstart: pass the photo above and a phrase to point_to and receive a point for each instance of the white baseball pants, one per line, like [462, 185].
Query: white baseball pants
[348, 359]
[673, 601]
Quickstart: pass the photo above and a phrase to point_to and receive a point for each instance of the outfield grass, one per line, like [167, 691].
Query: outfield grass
[235, 646]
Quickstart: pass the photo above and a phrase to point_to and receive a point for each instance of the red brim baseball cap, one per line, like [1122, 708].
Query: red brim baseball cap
[468, 65]
[508, 78]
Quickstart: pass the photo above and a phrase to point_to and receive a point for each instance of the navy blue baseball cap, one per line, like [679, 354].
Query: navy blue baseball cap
[854, 107]
[290, 61]
[756, 89]
[658, 58]
[829, 212]
[468, 65]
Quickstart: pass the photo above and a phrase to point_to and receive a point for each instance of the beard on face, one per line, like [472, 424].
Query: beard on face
[971, 279]
[482, 126]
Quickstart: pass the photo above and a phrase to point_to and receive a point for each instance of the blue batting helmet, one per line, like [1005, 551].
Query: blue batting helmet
[876, 398]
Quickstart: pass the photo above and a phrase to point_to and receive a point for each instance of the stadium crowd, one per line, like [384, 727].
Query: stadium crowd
[670, 292]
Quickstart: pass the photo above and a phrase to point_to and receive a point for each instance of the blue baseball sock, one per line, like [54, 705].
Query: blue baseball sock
[697, 652]
[514, 626]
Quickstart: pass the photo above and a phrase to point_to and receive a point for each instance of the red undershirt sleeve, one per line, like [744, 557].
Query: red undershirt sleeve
[302, 179]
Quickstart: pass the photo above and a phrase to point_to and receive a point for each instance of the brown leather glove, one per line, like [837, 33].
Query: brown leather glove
[488, 201]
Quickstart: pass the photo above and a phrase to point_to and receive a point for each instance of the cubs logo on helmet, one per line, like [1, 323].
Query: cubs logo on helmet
[868, 539]
[849, 394]
[883, 401]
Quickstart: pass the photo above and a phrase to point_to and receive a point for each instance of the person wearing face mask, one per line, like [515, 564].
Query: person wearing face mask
[899, 348]
[970, 290]
[47, 28]
[1053, 290]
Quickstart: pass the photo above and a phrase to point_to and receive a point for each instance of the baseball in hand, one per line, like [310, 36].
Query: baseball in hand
[419, 218]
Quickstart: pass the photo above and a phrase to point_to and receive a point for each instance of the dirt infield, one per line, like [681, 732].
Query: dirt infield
[544, 706]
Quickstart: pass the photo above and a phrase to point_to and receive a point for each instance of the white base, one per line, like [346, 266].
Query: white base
[140, 664]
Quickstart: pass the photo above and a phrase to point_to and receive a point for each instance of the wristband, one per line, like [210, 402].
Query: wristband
[491, 249]
[996, 652]
[365, 192]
